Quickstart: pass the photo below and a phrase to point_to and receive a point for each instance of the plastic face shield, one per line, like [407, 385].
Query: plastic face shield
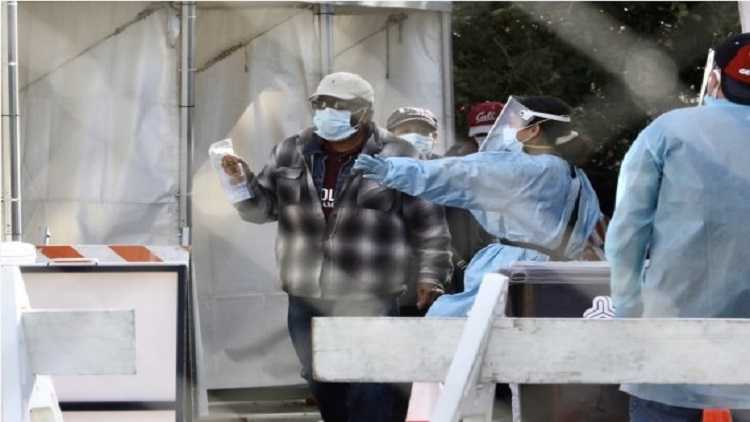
[515, 116]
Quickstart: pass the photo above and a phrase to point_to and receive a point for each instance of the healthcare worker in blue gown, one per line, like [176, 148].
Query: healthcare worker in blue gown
[519, 186]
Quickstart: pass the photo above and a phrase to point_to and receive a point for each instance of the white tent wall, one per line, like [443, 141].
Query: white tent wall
[257, 95]
[256, 68]
[745, 15]
[99, 122]
[100, 137]
[405, 69]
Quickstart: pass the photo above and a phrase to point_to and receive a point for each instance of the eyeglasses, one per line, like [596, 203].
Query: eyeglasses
[322, 102]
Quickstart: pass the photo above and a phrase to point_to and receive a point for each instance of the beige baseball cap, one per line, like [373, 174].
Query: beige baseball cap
[345, 86]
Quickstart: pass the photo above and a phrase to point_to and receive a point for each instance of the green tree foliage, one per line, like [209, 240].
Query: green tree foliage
[618, 64]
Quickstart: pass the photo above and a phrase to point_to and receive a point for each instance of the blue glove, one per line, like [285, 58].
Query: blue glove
[374, 168]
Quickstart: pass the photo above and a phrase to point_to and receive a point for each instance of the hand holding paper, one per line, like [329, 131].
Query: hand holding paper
[232, 170]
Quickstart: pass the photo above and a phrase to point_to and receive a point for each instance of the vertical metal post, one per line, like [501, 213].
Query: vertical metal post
[197, 402]
[744, 15]
[13, 121]
[325, 43]
[187, 107]
[3, 128]
[388, 48]
[448, 131]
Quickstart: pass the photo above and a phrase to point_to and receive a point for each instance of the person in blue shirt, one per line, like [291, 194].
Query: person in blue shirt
[683, 201]
[519, 187]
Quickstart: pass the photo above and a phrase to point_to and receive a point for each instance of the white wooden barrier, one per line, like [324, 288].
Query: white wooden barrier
[525, 350]
[36, 344]
[464, 395]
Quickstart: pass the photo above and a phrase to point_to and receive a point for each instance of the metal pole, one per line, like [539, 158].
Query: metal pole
[14, 130]
[187, 107]
[3, 142]
[449, 137]
[325, 30]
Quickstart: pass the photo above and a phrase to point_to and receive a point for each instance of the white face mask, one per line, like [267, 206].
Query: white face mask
[333, 125]
[423, 144]
[503, 139]
[510, 139]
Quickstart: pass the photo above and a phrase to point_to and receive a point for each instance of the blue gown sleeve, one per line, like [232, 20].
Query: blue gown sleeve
[482, 181]
[630, 231]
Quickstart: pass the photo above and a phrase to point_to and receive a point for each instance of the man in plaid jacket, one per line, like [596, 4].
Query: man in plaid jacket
[344, 242]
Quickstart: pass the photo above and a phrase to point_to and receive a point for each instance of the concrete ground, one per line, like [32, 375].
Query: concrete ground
[130, 416]
[279, 404]
[289, 404]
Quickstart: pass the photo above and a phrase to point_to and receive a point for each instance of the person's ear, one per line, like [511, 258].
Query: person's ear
[367, 117]
[527, 134]
[714, 83]
[363, 120]
[535, 131]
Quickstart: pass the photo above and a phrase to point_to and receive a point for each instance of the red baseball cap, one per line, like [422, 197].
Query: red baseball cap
[733, 58]
[482, 116]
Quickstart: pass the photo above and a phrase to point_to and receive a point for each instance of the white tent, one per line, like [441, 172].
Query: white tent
[101, 140]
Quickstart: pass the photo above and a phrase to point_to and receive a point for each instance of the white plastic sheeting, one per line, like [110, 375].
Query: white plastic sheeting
[257, 96]
[256, 69]
[99, 122]
[744, 15]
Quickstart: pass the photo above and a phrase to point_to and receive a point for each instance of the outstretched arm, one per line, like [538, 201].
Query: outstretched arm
[479, 181]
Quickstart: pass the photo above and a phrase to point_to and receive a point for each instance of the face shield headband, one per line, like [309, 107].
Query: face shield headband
[515, 117]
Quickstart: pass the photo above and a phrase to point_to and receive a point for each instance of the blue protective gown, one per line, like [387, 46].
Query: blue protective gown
[684, 196]
[513, 195]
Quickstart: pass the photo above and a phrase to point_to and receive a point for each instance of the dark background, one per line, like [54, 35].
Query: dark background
[619, 64]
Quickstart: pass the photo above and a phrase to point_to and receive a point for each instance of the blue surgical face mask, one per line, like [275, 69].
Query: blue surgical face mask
[423, 144]
[333, 125]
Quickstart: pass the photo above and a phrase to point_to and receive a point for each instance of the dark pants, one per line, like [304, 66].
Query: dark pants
[650, 411]
[345, 402]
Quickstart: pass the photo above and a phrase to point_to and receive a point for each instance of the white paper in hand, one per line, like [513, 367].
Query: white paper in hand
[234, 186]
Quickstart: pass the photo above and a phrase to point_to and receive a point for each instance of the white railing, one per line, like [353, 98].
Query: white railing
[471, 355]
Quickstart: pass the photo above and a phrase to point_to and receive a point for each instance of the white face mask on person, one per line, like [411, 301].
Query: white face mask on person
[423, 144]
[333, 125]
[510, 140]
[501, 140]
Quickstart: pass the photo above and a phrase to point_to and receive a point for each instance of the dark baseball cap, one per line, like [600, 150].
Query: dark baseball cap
[733, 58]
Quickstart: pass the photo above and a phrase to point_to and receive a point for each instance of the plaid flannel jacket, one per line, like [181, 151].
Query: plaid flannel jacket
[366, 247]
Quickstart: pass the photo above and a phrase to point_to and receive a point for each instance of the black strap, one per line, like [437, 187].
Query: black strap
[525, 245]
[557, 254]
